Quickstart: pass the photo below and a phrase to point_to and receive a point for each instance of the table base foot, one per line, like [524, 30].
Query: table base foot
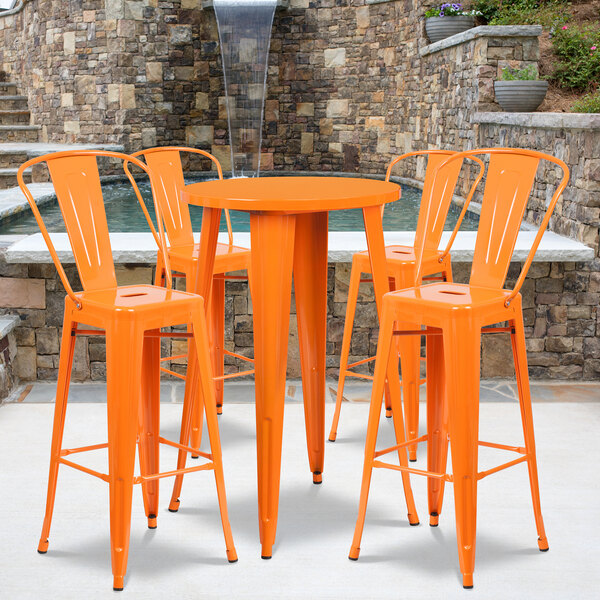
[317, 477]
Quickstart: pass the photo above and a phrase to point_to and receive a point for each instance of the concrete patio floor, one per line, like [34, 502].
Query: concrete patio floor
[185, 557]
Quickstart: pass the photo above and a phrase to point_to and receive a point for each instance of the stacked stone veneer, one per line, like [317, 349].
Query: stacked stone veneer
[351, 84]
[559, 300]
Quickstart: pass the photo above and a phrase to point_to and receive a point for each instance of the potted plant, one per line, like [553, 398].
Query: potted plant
[520, 90]
[448, 19]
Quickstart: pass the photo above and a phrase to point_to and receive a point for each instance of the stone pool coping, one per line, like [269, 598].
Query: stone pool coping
[140, 248]
[12, 200]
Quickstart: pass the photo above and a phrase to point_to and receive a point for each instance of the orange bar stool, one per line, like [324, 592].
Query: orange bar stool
[455, 316]
[131, 318]
[165, 163]
[400, 262]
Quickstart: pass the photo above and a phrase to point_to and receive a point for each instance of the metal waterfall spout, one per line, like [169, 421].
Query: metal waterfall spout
[245, 36]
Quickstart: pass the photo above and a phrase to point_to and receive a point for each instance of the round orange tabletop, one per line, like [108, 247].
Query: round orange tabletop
[291, 194]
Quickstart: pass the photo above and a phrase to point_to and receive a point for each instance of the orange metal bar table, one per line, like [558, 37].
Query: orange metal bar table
[288, 232]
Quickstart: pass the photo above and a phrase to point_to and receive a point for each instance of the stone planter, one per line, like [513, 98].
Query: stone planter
[438, 28]
[520, 96]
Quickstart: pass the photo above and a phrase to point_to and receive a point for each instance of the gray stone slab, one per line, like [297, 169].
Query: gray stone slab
[7, 324]
[539, 120]
[140, 248]
[482, 31]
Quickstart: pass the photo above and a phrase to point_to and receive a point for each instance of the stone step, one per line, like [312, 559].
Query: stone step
[13, 103]
[8, 177]
[15, 117]
[19, 133]
[12, 158]
[8, 87]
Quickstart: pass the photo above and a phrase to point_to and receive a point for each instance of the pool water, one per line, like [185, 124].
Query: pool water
[124, 214]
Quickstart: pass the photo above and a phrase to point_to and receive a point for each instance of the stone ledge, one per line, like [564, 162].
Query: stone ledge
[38, 148]
[17, 7]
[140, 248]
[540, 120]
[12, 200]
[209, 5]
[7, 324]
[482, 31]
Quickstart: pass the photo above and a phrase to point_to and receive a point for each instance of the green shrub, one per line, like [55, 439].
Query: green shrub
[547, 13]
[588, 104]
[578, 51]
[526, 74]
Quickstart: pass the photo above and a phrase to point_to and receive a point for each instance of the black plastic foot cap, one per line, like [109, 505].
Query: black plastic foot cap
[195, 457]
[467, 587]
[544, 549]
[414, 524]
[42, 551]
[235, 560]
[433, 524]
[117, 589]
[412, 460]
[266, 557]
[355, 559]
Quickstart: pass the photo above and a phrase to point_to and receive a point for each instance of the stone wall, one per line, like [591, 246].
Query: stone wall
[8, 353]
[131, 72]
[351, 84]
[560, 317]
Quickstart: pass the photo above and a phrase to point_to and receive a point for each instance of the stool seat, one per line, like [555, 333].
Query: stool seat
[228, 258]
[400, 256]
[453, 297]
[133, 298]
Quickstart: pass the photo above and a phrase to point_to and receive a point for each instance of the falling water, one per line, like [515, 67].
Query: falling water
[245, 36]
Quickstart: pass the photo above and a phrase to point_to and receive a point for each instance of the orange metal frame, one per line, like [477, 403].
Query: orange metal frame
[454, 317]
[182, 251]
[288, 229]
[131, 318]
[400, 263]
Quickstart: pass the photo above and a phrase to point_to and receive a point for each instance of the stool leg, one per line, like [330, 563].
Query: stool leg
[123, 372]
[67, 349]
[216, 319]
[212, 425]
[348, 324]
[197, 406]
[409, 348]
[381, 369]
[192, 401]
[437, 426]
[399, 430]
[149, 427]
[520, 356]
[462, 344]
[386, 390]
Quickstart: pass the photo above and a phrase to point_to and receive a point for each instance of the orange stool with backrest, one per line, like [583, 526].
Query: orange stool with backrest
[165, 163]
[400, 261]
[131, 317]
[455, 316]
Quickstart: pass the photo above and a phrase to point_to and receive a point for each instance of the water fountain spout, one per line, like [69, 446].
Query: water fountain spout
[245, 37]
